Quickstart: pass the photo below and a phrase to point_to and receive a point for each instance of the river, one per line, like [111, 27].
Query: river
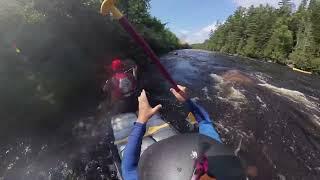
[267, 111]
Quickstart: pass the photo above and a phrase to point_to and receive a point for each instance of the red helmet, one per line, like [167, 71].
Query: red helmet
[116, 65]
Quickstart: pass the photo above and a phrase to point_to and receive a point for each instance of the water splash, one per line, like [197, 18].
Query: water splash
[206, 93]
[299, 98]
[263, 104]
[228, 93]
[293, 95]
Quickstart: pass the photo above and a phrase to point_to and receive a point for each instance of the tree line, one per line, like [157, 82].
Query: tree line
[285, 35]
[52, 54]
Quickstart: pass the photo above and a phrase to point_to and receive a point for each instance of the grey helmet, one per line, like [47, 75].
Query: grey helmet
[175, 158]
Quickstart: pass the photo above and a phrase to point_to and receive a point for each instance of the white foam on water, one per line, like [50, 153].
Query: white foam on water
[216, 78]
[241, 133]
[314, 98]
[299, 98]
[235, 96]
[10, 166]
[206, 93]
[316, 120]
[292, 95]
[261, 77]
[263, 104]
[27, 150]
[281, 177]
[227, 93]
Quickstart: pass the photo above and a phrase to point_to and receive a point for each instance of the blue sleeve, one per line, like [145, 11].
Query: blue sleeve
[132, 152]
[204, 120]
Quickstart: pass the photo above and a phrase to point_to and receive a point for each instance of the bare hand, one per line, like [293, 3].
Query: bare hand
[181, 96]
[145, 110]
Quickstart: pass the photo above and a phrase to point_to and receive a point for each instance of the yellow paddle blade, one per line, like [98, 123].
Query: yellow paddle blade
[106, 6]
[152, 130]
[302, 71]
[109, 6]
[191, 118]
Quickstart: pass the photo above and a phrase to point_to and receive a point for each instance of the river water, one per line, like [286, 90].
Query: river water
[268, 113]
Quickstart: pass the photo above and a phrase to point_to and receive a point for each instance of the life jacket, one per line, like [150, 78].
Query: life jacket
[123, 85]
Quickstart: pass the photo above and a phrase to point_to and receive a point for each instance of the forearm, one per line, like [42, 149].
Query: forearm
[132, 151]
[204, 120]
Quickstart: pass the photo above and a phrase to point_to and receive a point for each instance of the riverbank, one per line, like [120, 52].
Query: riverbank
[283, 34]
[291, 66]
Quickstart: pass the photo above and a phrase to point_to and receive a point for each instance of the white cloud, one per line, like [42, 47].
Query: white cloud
[183, 31]
[200, 35]
[248, 3]
[197, 36]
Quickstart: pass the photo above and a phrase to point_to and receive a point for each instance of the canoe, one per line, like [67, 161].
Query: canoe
[302, 71]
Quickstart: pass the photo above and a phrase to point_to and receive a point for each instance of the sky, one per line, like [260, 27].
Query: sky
[192, 20]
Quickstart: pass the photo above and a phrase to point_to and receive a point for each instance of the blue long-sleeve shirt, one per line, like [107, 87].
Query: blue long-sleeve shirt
[132, 152]
[133, 148]
[204, 120]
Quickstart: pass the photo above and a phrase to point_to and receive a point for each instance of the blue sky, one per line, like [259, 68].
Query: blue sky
[192, 20]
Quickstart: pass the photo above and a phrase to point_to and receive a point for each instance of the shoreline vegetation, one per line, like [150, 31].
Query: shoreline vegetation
[284, 35]
[291, 66]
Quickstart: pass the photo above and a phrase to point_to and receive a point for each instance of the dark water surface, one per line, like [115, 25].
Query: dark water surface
[267, 111]
[272, 109]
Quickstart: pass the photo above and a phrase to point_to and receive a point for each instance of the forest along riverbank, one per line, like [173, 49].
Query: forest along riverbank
[286, 35]
[270, 110]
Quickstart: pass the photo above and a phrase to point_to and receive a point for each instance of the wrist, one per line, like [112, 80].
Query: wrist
[188, 100]
[142, 120]
[183, 101]
[139, 124]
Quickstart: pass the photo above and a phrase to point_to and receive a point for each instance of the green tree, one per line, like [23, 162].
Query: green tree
[137, 10]
[306, 51]
[314, 9]
[250, 47]
[281, 42]
[279, 34]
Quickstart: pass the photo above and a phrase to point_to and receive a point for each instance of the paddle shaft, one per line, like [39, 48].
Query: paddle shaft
[146, 48]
